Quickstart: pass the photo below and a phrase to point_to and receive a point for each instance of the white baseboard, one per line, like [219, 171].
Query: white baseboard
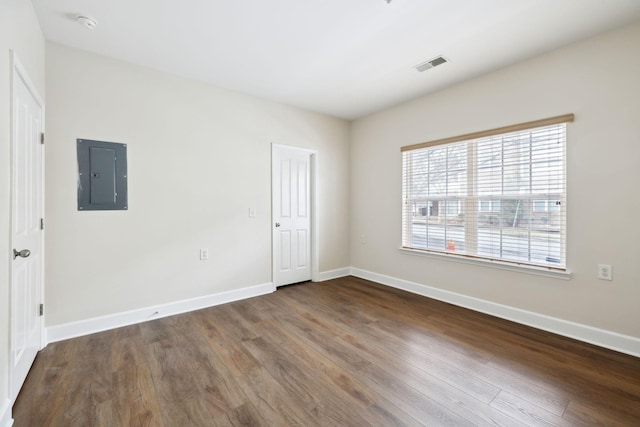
[5, 414]
[117, 320]
[600, 337]
[334, 274]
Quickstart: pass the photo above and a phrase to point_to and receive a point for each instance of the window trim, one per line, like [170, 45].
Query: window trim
[490, 263]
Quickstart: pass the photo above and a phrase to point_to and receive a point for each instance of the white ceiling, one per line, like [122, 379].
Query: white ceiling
[346, 58]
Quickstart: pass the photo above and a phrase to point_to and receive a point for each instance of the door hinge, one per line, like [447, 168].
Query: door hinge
[41, 223]
[41, 309]
[42, 138]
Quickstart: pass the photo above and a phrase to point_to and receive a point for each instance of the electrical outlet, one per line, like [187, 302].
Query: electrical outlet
[204, 254]
[605, 272]
[364, 239]
[252, 212]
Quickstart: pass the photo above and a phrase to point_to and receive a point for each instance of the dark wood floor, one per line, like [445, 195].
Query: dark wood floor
[346, 352]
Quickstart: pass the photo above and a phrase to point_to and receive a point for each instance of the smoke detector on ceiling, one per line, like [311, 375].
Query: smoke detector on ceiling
[438, 60]
[87, 21]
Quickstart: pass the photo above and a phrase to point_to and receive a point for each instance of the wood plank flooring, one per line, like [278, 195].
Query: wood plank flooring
[347, 352]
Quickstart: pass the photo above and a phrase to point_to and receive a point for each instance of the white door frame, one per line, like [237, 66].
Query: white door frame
[313, 162]
[18, 71]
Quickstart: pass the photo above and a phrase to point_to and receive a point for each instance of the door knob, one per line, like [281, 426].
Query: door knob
[277, 224]
[23, 253]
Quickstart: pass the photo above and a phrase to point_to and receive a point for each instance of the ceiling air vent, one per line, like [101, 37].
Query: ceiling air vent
[439, 60]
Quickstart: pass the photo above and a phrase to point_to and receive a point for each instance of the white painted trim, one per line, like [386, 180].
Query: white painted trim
[333, 274]
[16, 65]
[117, 320]
[520, 268]
[315, 223]
[5, 414]
[600, 337]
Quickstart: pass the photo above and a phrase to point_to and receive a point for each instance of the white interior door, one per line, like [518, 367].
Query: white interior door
[26, 238]
[291, 204]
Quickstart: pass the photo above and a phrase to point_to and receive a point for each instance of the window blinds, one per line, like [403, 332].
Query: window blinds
[498, 195]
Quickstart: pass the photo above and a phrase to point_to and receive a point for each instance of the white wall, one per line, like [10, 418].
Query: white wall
[598, 81]
[20, 32]
[199, 157]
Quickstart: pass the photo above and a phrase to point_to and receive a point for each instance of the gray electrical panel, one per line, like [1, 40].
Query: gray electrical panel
[102, 175]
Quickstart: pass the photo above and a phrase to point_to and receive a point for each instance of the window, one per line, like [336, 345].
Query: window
[489, 205]
[496, 195]
[545, 205]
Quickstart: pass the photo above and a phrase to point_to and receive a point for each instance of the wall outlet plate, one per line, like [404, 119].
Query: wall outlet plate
[605, 272]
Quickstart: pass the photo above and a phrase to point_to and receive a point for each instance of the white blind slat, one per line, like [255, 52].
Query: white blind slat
[500, 197]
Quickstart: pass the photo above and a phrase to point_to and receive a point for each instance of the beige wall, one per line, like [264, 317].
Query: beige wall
[598, 81]
[199, 158]
[20, 32]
